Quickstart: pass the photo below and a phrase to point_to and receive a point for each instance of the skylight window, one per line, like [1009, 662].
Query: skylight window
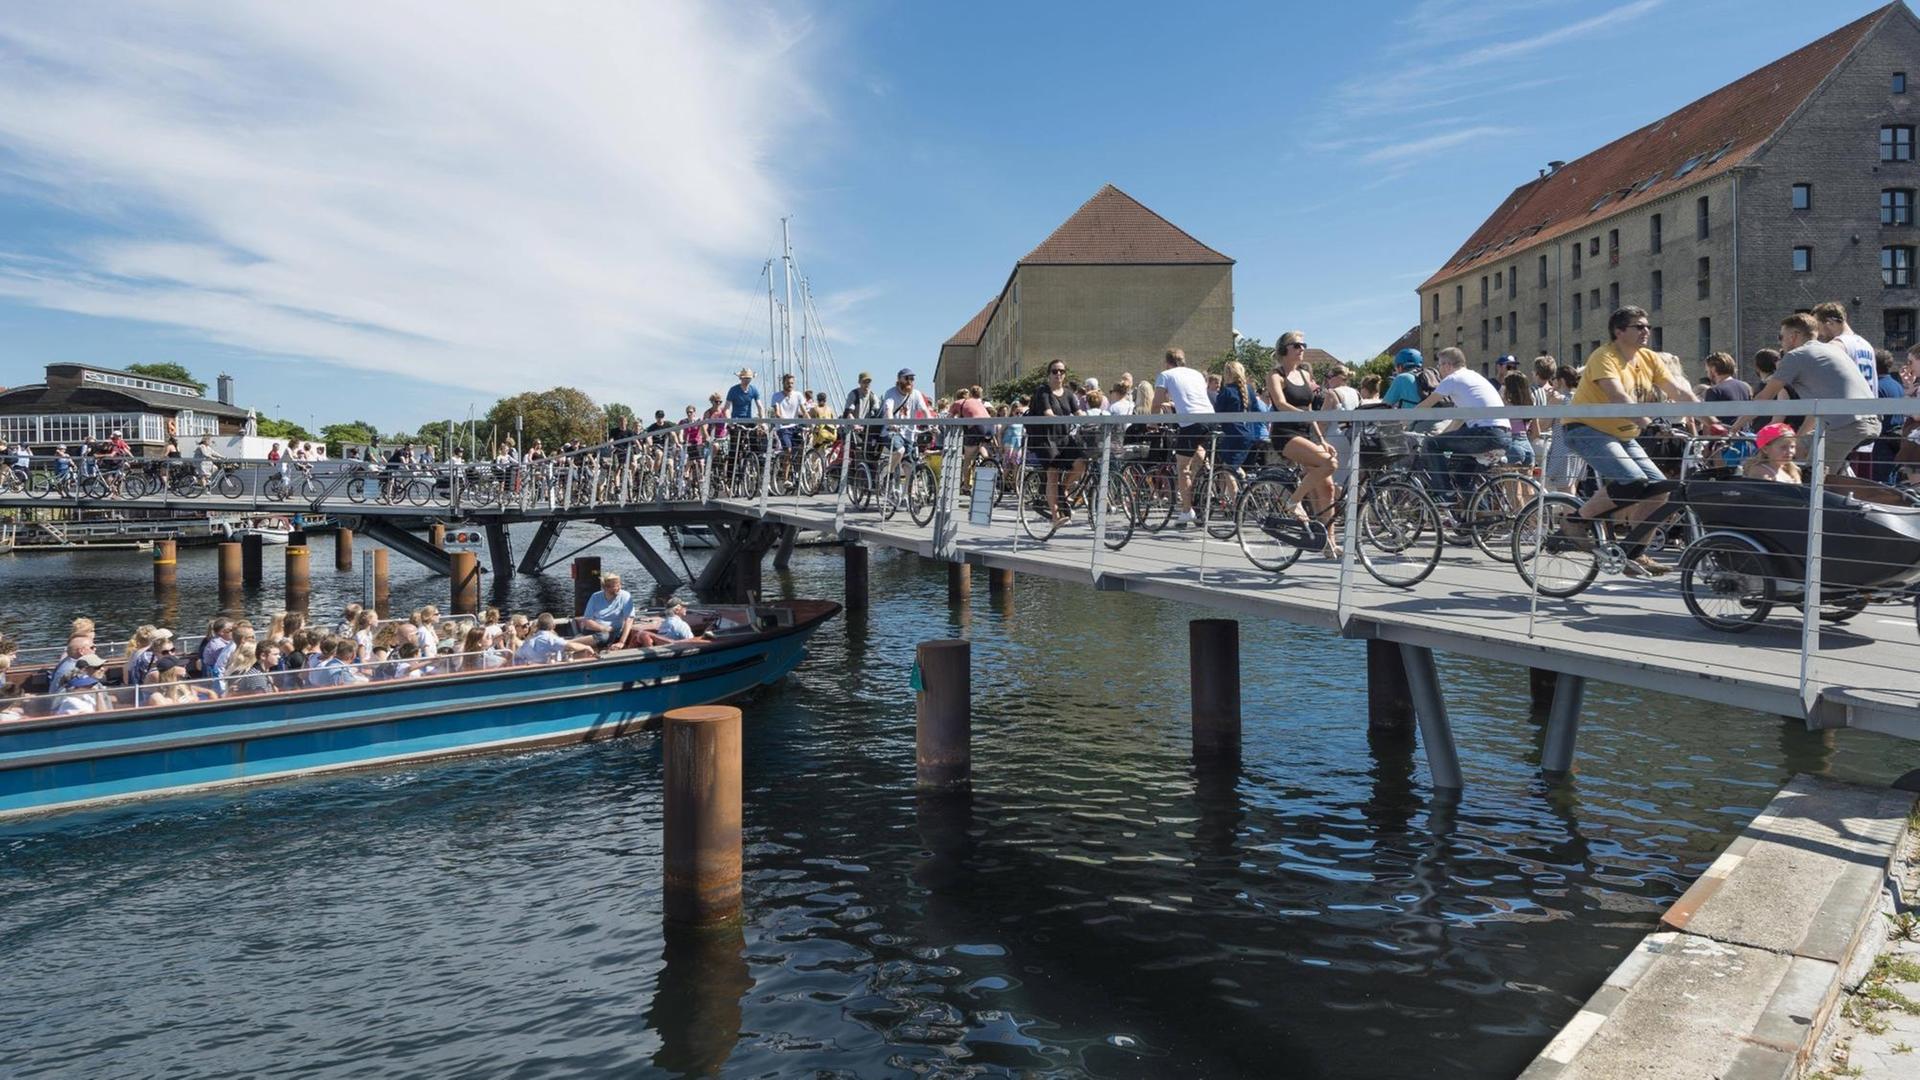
[1687, 166]
[1722, 152]
[1603, 200]
[1647, 183]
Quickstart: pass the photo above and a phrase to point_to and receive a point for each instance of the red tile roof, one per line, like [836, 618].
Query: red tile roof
[976, 326]
[1699, 142]
[1112, 228]
[1408, 340]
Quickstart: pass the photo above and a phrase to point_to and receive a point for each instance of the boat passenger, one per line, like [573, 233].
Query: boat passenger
[608, 615]
[244, 673]
[83, 694]
[1777, 446]
[172, 688]
[12, 703]
[142, 660]
[78, 645]
[361, 630]
[350, 620]
[141, 641]
[473, 650]
[547, 647]
[490, 625]
[215, 649]
[336, 669]
[404, 662]
[424, 622]
[671, 628]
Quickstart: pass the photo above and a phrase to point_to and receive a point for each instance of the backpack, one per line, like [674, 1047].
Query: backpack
[38, 682]
[1427, 380]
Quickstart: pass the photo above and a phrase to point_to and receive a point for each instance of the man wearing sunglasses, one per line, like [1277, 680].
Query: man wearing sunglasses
[903, 402]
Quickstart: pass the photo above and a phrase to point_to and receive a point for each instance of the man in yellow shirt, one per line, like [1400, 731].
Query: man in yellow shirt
[1626, 372]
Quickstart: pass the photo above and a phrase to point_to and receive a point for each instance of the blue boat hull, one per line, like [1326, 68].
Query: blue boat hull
[59, 764]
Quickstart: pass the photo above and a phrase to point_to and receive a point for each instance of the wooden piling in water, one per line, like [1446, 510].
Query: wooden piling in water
[464, 571]
[999, 582]
[230, 561]
[700, 749]
[343, 550]
[856, 567]
[1389, 699]
[437, 535]
[943, 713]
[166, 567]
[1213, 667]
[586, 582]
[253, 548]
[959, 582]
[299, 583]
[381, 592]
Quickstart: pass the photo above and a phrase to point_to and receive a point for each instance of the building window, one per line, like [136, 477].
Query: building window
[1896, 267]
[1700, 229]
[1513, 281]
[1513, 327]
[1498, 324]
[1593, 247]
[1459, 298]
[1897, 329]
[1459, 336]
[1802, 197]
[1704, 273]
[1802, 259]
[1593, 299]
[1896, 206]
[1653, 234]
[1497, 276]
[1706, 337]
[1613, 296]
[1543, 271]
[1896, 142]
[1483, 334]
[1656, 292]
[1483, 290]
[1576, 310]
[1657, 341]
[1613, 247]
[1576, 259]
[1543, 321]
[1899, 82]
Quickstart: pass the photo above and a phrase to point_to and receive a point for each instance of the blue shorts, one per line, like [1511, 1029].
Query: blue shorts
[1613, 460]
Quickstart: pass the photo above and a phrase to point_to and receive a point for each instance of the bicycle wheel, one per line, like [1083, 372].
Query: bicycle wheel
[1491, 510]
[1554, 556]
[860, 485]
[892, 492]
[357, 488]
[1272, 534]
[39, 485]
[275, 488]
[1221, 494]
[1036, 517]
[1118, 514]
[310, 488]
[921, 494]
[229, 485]
[419, 492]
[93, 487]
[1727, 583]
[813, 472]
[1154, 492]
[1400, 540]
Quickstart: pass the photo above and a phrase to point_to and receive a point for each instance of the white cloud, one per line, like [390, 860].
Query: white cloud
[1405, 153]
[488, 196]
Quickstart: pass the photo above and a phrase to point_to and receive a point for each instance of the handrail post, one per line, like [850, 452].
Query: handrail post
[766, 469]
[1351, 540]
[840, 496]
[1810, 591]
[1099, 501]
[1193, 489]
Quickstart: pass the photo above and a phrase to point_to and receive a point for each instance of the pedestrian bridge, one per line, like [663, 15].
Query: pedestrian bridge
[1858, 673]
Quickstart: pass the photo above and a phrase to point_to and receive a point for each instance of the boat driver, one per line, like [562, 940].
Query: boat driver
[608, 615]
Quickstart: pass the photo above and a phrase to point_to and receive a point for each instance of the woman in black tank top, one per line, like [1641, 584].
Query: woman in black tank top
[1291, 389]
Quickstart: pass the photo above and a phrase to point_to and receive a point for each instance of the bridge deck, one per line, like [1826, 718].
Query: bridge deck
[1636, 633]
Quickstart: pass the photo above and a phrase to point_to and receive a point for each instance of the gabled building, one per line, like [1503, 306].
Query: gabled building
[1788, 187]
[1111, 290]
[79, 403]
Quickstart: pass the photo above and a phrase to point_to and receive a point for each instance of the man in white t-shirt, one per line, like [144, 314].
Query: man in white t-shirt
[786, 406]
[1185, 390]
[902, 401]
[1831, 317]
[1461, 388]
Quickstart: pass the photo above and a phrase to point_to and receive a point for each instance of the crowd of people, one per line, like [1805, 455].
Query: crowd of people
[234, 658]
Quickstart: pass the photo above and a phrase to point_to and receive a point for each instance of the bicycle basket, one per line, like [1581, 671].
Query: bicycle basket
[1379, 448]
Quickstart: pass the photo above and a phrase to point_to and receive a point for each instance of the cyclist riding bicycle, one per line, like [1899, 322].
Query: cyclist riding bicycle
[1632, 489]
[1450, 458]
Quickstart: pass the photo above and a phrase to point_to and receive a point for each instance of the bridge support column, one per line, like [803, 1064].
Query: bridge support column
[665, 581]
[959, 582]
[1389, 701]
[1541, 686]
[943, 714]
[783, 558]
[856, 590]
[343, 550]
[382, 603]
[1213, 673]
[586, 582]
[1430, 707]
[540, 546]
[999, 583]
[166, 563]
[465, 599]
[392, 536]
[1563, 724]
[701, 820]
[500, 557]
[299, 582]
[231, 596]
[253, 557]
[437, 535]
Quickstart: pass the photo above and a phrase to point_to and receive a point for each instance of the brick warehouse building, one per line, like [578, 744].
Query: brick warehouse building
[1111, 290]
[1790, 186]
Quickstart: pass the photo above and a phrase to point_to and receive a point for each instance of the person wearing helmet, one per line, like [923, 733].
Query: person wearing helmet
[1405, 391]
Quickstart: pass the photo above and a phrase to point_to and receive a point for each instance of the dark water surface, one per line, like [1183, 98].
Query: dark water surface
[1095, 908]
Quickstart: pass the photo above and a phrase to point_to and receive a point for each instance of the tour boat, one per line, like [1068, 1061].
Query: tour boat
[270, 530]
[64, 761]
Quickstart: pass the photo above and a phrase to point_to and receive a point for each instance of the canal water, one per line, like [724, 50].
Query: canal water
[1095, 908]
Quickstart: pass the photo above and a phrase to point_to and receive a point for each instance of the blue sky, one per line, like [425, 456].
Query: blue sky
[397, 211]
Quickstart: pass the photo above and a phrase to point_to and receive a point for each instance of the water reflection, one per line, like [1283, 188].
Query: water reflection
[696, 1003]
[944, 820]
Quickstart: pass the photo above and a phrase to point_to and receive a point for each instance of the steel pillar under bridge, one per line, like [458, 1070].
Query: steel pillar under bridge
[390, 535]
[733, 572]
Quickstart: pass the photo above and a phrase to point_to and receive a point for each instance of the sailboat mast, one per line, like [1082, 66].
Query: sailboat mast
[773, 328]
[786, 244]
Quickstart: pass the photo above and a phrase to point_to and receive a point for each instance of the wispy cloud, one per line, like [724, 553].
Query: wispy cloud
[1403, 153]
[484, 196]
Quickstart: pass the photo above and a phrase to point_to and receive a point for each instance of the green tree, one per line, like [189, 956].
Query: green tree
[1381, 365]
[1022, 388]
[618, 413]
[167, 371]
[551, 416]
[284, 430]
[358, 432]
[1255, 357]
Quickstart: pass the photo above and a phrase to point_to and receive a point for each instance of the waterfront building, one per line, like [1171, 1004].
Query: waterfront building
[81, 402]
[1791, 186]
[1113, 288]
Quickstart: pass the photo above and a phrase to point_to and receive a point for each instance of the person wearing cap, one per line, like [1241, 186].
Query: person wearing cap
[83, 693]
[743, 403]
[1405, 391]
[902, 401]
[143, 657]
[1777, 446]
[78, 645]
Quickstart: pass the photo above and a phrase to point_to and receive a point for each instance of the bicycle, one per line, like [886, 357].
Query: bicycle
[908, 484]
[191, 483]
[1399, 539]
[1040, 521]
